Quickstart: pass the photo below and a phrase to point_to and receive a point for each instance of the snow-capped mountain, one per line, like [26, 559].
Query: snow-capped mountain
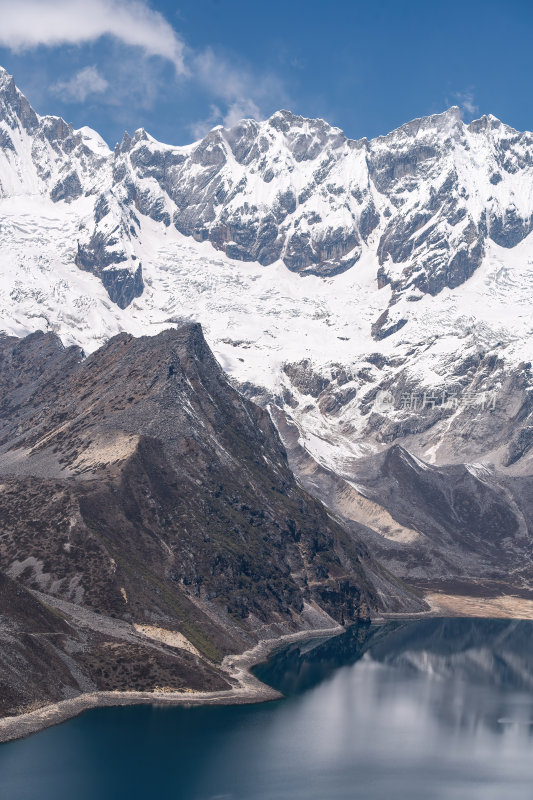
[372, 291]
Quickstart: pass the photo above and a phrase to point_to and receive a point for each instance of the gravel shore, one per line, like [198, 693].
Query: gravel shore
[236, 667]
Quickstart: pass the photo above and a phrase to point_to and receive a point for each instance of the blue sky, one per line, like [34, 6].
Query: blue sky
[179, 68]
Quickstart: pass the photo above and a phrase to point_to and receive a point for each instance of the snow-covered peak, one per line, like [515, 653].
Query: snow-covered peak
[94, 141]
[425, 197]
[5, 77]
[446, 123]
[15, 111]
[321, 267]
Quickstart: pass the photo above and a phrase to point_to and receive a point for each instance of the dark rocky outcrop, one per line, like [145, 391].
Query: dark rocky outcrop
[123, 283]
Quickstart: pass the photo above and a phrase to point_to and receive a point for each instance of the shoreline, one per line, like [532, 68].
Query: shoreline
[236, 667]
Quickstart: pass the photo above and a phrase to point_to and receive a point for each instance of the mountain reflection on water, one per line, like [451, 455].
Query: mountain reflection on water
[480, 670]
[492, 652]
[425, 710]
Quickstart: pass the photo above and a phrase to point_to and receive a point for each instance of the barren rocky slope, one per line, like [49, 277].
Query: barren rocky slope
[47, 656]
[138, 484]
[462, 528]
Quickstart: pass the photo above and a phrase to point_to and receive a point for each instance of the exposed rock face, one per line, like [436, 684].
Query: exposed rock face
[425, 198]
[122, 284]
[138, 484]
[404, 193]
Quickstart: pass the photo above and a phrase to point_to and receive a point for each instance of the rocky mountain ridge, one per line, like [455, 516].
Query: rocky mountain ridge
[369, 294]
[426, 198]
[400, 264]
[138, 486]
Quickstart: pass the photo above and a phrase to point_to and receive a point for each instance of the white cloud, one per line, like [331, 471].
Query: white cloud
[242, 92]
[244, 108]
[466, 101]
[234, 82]
[199, 128]
[84, 83]
[126, 78]
[27, 24]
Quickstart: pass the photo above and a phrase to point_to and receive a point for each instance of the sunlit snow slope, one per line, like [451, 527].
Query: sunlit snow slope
[324, 271]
